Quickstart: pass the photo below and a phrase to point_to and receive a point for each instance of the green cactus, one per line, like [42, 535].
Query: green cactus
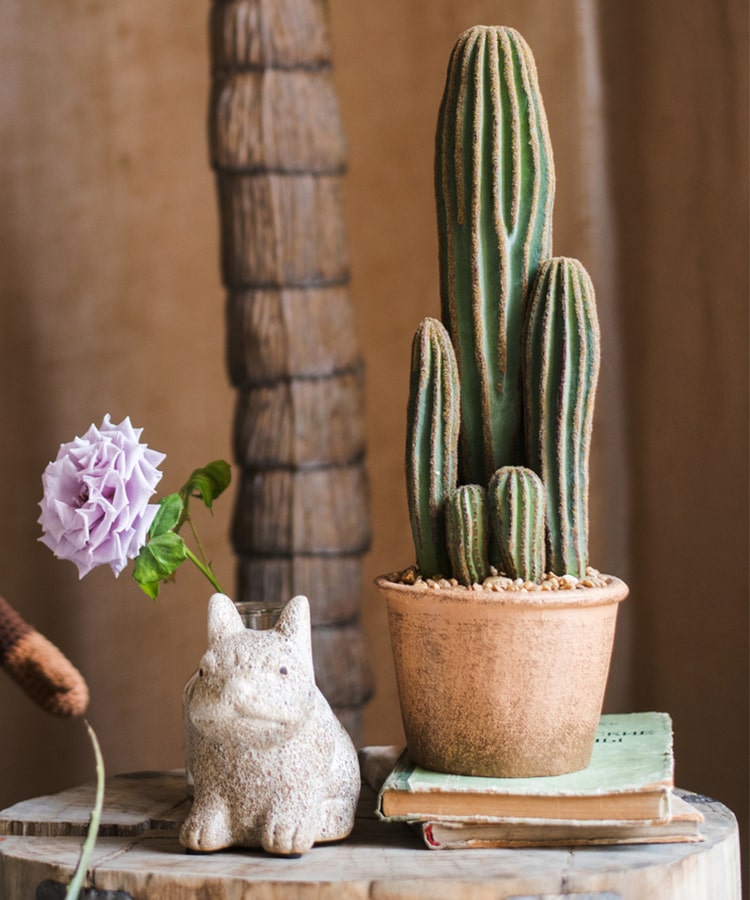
[494, 180]
[503, 397]
[466, 533]
[431, 443]
[517, 515]
[560, 376]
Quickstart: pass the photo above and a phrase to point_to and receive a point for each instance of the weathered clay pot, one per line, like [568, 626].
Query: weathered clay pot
[505, 684]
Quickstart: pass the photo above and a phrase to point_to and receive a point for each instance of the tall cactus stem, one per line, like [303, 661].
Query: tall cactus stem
[562, 350]
[517, 516]
[494, 183]
[467, 529]
[433, 419]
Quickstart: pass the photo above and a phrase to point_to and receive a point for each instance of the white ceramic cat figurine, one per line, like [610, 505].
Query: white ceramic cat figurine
[272, 765]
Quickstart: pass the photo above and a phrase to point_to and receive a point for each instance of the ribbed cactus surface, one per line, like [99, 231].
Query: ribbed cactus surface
[510, 380]
[517, 515]
[431, 443]
[494, 180]
[467, 530]
[561, 372]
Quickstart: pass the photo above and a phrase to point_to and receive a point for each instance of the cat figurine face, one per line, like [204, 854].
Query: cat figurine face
[259, 685]
[272, 765]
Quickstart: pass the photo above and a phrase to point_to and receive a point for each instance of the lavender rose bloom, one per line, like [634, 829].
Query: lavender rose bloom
[95, 508]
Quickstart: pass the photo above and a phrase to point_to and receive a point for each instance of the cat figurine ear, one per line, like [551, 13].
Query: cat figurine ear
[294, 621]
[223, 618]
[294, 625]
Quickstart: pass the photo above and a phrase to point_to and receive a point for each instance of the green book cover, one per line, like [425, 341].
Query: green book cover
[632, 758]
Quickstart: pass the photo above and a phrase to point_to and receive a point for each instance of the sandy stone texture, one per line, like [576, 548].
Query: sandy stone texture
[272, 765]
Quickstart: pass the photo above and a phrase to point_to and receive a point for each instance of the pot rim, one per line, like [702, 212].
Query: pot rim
[614, 592]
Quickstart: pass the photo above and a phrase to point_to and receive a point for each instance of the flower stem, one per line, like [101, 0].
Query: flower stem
[74, 887]
[196, 538]
[205, 568]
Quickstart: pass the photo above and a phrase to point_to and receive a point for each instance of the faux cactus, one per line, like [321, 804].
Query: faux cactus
[501, 397]
[467, 533]
[494, 179]
[561, 371]
[517, 510]
[432, 443]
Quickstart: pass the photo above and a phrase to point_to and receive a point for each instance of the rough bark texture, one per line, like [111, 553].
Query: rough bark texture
[301, 522]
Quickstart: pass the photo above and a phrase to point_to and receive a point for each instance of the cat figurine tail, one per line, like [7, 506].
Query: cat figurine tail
[272, 765]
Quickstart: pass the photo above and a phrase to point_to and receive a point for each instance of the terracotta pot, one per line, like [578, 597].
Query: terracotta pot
[501, 683]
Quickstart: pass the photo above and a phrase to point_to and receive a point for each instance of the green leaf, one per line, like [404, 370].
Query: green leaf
[207, 483]
[151, 589]
[167, 516]
[158, 560]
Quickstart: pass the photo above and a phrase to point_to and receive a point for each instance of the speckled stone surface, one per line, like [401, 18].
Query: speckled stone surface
[272, 765]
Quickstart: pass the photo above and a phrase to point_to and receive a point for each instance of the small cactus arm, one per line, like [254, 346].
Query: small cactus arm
[35, 664]
[494, 185]
[517, 507]
[431, 443]
[466, 533]
[562, 351]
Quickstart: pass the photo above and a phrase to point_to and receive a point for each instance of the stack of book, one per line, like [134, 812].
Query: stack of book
[625, 795]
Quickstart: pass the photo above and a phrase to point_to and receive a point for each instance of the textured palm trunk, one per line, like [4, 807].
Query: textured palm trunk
[301, 522]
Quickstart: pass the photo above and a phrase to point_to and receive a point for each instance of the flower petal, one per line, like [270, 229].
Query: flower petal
[95, 508]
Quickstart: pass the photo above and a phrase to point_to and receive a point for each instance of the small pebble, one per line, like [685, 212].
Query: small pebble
[409, 576]
[497, 581]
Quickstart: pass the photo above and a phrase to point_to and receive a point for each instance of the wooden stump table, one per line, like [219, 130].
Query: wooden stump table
[138, 855]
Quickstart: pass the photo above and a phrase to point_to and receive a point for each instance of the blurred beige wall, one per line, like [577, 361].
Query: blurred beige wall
[111, 302]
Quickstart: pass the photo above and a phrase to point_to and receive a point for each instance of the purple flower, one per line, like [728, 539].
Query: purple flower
[95, 508]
